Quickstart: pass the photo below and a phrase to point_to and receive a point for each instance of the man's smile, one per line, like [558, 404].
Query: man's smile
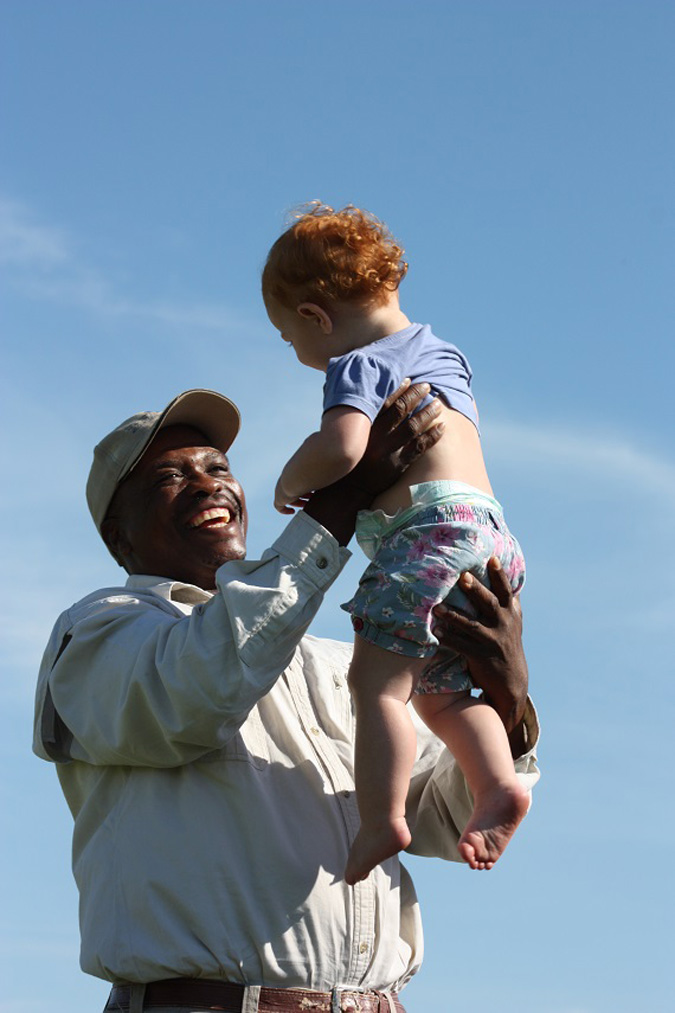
[215, 517]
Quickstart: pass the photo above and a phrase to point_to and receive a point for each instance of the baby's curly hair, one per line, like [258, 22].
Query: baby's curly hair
[329, 256]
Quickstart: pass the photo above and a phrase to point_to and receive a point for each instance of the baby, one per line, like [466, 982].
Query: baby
[330, 286]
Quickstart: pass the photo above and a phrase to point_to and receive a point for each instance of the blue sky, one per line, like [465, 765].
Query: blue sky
[523, 152]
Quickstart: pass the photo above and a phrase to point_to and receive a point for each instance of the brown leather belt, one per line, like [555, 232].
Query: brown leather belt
[228, 997]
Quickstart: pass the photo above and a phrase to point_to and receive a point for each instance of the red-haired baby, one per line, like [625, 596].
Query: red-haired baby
[330, 286]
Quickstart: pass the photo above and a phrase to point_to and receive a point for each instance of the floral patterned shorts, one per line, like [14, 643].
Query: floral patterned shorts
[416, 567]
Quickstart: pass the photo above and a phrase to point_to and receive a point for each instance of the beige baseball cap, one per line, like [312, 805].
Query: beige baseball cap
[119, 452]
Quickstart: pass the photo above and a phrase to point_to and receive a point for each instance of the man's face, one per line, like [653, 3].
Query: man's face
[180, 514]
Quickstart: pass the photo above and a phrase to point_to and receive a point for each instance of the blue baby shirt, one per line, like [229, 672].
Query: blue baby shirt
[366, 377]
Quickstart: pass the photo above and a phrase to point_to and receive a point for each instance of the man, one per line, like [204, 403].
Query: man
[204, 745]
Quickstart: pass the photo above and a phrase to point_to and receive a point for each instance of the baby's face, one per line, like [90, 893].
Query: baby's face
[299, 331]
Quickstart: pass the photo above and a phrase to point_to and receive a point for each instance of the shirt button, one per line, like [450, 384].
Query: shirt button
[363, 948]
[322, 562]
[314, 731]
[346, 794]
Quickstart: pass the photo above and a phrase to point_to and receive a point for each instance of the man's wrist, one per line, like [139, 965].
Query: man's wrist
[336, 508]
[518, 739]
[524, 736]
[512, 712]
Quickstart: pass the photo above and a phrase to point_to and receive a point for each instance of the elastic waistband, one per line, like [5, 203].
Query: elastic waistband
[451, 493]
[466, 512]
[463, 502]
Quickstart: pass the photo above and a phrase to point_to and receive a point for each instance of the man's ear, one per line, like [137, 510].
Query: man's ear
[115, 540]
[310, 311]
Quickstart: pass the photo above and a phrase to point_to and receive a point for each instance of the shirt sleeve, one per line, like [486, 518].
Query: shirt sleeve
[128, 679]
[439, 801]
[358, 380]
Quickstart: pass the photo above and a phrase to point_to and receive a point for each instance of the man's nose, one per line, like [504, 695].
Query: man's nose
[204, 484]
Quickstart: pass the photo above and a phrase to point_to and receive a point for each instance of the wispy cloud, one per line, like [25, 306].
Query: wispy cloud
[42, 262]
[603, 457]
[25, 243]
[624, 542]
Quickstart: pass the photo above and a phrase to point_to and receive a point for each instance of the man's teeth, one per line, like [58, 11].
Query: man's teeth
[214, 518]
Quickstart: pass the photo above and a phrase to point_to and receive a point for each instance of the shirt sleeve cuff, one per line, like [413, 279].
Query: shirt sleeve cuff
[307, 544]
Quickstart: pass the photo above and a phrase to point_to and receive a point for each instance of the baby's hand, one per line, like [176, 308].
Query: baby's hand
[281, 500]
[284, 503]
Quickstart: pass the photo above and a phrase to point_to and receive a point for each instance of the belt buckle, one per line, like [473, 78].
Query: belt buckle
[346, 1000]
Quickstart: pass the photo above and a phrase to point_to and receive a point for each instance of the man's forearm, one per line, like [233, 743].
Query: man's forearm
[142, 684]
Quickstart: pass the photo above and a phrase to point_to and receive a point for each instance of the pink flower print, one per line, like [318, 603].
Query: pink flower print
[382, 579]
[446, 535]
[515, 572]
[435, 575]
[387, 612]
[419, 550]
[424, 608]
[498, 549]
[396, 648]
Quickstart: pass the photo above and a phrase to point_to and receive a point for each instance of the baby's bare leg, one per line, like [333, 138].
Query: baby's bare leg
[476, 737]
[381, 683]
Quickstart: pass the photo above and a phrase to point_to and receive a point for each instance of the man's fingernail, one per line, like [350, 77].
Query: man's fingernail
[496, 565]
[467, 579]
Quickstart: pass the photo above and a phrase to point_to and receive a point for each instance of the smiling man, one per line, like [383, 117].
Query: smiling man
[204, 742]
[180, 512]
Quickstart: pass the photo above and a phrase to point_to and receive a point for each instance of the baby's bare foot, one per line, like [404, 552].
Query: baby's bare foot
[373, 844]
[496, 814]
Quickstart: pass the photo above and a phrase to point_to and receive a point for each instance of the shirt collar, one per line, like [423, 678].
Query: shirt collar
[170, 590]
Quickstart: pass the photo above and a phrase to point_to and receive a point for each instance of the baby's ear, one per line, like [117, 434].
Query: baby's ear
[310, 311]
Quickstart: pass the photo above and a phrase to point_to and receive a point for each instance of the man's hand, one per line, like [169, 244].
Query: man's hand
[397, 439]
[491, 641]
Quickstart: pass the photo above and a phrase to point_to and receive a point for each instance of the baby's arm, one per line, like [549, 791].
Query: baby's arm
[324, 457]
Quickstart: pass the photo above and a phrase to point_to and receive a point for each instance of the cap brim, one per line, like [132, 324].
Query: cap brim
[213, 414]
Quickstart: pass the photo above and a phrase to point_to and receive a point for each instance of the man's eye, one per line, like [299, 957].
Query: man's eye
[220, 467]
[166, 477]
